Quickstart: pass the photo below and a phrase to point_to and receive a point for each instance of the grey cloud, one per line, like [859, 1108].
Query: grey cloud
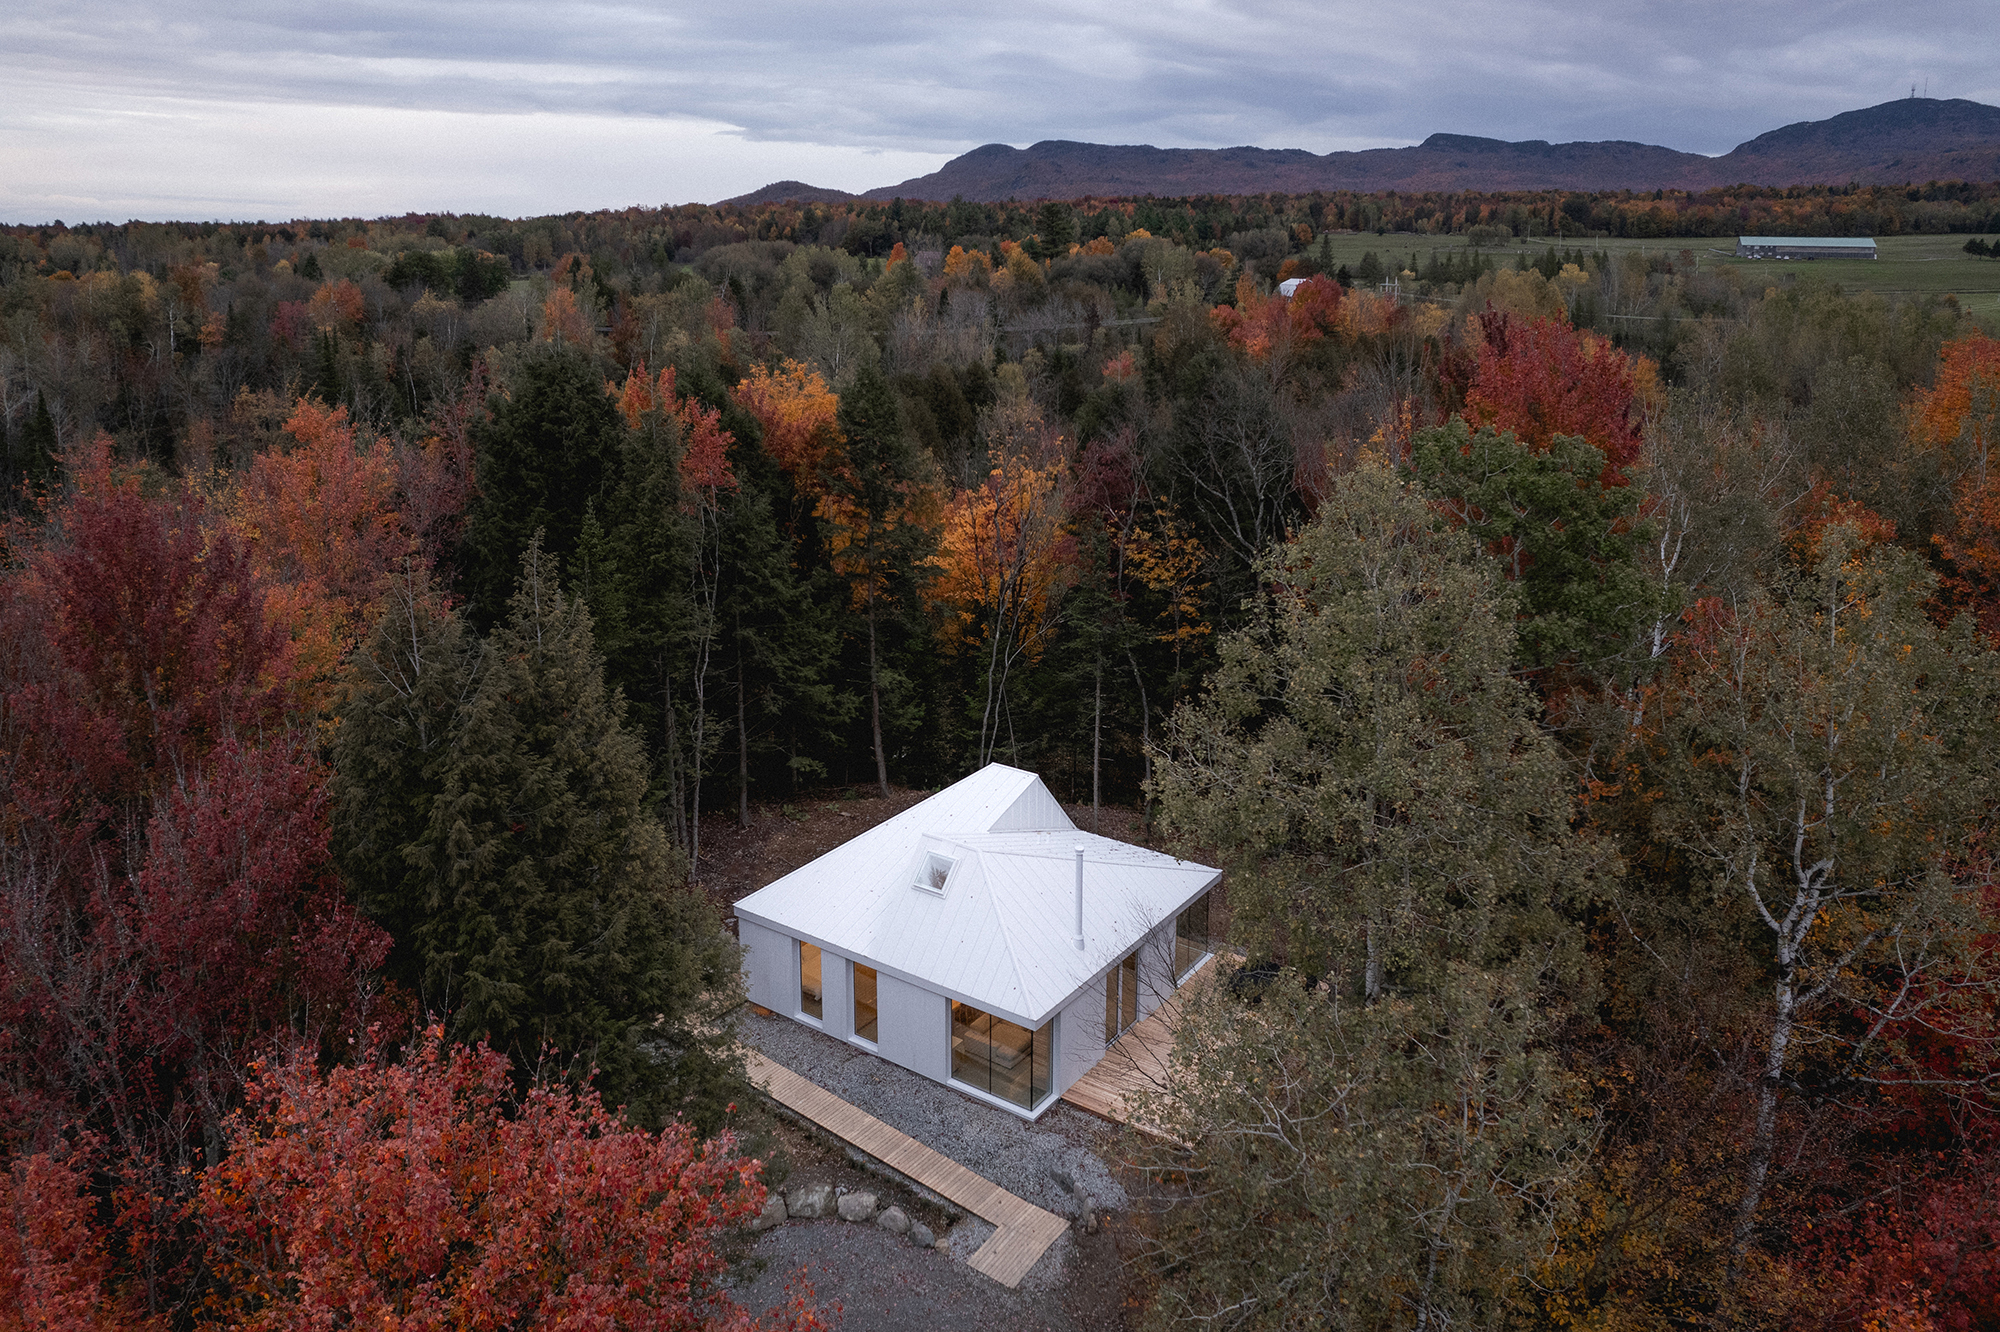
[1700, 76]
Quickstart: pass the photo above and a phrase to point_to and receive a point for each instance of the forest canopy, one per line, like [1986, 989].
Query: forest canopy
[1582, 661]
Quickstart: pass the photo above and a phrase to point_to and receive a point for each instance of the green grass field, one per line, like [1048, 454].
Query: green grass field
[1933, 265]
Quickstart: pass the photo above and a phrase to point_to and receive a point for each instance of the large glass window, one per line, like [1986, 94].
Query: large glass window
[997, 1056]
[811, 993]
[864, 1002]
[1121, 997]
[1191, 939]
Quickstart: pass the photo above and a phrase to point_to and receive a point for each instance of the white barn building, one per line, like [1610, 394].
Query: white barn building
[946, 939]
[1805, 247]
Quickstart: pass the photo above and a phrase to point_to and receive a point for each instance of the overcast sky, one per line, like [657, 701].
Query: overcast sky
[111, 109]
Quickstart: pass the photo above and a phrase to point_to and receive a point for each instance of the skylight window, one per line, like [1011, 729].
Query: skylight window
[932, 871]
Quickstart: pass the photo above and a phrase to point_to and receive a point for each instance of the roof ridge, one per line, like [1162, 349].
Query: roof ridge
[1005, 929]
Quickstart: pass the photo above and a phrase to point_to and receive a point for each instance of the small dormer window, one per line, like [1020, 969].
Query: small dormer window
[932, 871]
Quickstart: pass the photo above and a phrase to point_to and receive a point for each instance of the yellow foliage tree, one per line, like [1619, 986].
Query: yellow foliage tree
[1005, 555]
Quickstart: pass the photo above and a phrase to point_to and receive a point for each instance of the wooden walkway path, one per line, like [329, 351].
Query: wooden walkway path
[1024, 1230]
[1136, 1061]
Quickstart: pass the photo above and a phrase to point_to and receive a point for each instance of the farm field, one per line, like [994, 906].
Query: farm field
[1922, 265]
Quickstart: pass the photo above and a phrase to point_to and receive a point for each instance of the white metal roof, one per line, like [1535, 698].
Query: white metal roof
[1002, 935]
[1825, 242]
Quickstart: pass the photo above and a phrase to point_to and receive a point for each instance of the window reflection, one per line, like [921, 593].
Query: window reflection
[810, 992]
[1191, 939]
[864, 1002]
[998, 1056]
[1121, 997]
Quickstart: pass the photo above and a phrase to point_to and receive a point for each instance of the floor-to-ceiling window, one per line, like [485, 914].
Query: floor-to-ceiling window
[811, 993]
[1121, 997]
[1191, 940]
[997, 1056]
[864, 1002]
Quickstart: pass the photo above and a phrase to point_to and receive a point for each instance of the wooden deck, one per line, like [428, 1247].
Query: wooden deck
[1024, 1230]
[1136, 1061]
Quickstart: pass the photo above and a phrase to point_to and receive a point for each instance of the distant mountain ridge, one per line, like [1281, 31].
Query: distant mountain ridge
[1910, 140]
[795, 190]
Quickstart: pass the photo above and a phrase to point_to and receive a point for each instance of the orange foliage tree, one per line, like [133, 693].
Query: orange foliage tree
[1273, 325]
[1958, 419]
[797, 410]
[336, 307]
[967, 268]
[562, 321]
[1005, 555]
[325, 532]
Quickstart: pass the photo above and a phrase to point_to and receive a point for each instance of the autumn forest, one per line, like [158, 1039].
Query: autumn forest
[1582, 660]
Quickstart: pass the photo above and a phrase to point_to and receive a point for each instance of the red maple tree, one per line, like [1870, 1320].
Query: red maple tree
[418, 1196]
[1541, 378]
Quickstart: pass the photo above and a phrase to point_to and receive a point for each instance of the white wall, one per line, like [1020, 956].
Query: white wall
[1156, 968]
[770, 967]
[916, 1027]
[915, 1023]
[837, 995]
[1079, 1035]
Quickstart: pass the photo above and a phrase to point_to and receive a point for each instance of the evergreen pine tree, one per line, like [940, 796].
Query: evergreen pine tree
[534, 899]
[548, 452]
[33, 452]
[880, 541]
[781, 640]
[405, 692]
[1385, 1138]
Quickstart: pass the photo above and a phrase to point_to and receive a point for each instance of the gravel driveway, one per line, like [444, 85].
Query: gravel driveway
[882, 1284]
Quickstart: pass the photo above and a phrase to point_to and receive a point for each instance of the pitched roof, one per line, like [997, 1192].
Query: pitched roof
[1824, 242]
[1002, 934]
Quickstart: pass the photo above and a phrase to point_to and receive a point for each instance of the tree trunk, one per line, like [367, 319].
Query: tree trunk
[1763, 1143]
[875, 704]
[742, 738]
[676, 797]
[1097, 749]
[1145, 750]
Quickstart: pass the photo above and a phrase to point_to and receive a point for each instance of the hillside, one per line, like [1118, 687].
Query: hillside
[1911, 139]
[795, 191]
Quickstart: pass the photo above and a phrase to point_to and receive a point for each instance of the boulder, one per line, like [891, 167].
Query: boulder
[810, 1200]
[894, 1220]
[920, 1235]
[857, 1207]
[773, 1213]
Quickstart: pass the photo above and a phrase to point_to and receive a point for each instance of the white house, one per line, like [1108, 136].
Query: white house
[979, 938]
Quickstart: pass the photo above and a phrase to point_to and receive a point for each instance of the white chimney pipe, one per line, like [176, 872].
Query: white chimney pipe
[1079, 898]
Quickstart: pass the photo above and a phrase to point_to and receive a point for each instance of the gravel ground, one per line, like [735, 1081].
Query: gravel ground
[1048, 1162]
[882, 1284]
